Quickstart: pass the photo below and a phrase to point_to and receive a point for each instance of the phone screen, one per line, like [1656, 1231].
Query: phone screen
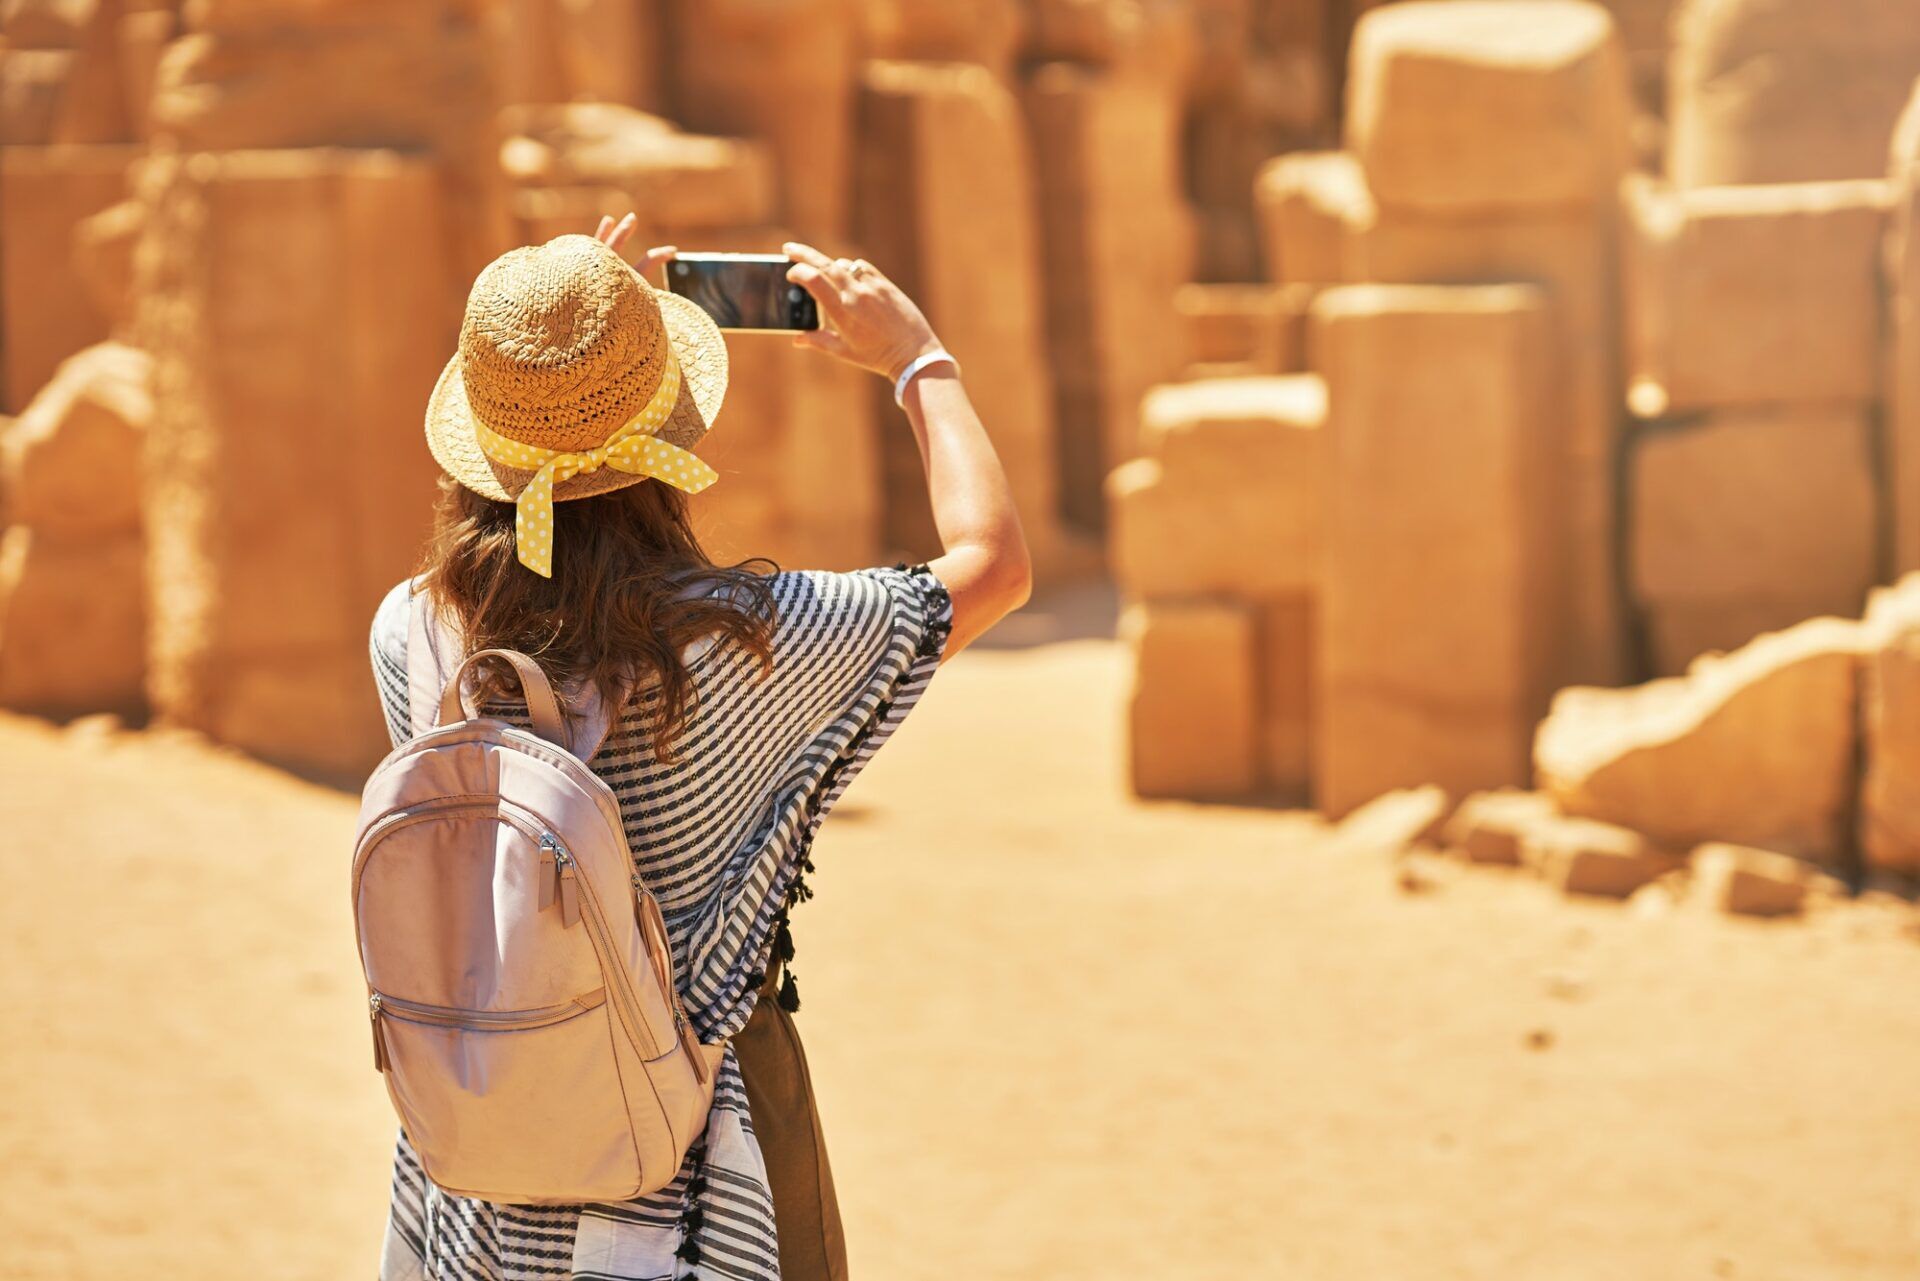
[743, 291]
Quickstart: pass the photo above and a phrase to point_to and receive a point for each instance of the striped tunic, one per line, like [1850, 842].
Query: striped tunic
[721, 837]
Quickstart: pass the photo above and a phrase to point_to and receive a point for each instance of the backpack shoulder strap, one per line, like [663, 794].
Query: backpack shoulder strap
[436, 656]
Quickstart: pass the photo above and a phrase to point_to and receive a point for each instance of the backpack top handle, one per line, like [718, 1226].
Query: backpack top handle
[541, 704]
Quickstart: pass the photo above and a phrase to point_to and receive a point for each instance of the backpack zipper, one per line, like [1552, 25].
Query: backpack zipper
[380, 1005]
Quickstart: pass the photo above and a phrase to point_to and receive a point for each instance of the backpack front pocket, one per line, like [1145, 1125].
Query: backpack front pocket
[522, 1098]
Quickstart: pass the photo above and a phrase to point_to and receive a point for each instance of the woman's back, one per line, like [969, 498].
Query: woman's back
[720, 834]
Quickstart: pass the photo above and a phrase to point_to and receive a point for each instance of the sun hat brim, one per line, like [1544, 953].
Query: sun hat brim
[702, 353]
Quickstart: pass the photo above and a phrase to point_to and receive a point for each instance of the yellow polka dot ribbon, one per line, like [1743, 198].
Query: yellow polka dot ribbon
[632, 449]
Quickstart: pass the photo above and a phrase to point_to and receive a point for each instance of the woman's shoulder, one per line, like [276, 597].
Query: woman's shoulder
[388, 639]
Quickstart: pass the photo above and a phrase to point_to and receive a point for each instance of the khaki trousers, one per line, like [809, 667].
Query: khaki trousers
[787, 1123]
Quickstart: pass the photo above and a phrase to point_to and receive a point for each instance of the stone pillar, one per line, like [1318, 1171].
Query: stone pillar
[1749, 521]
[72, 581]
[783, 71]
[1309, 203]
[294, 306]
[1187, 656]
[987, 32]
[945, 205]
[1755, 481]
[1902, 263]
[1436, 617]
[1116, 241]
[1764, 91]
[45, 193]
[1493, 137]
[346, 73]
[1226, 508]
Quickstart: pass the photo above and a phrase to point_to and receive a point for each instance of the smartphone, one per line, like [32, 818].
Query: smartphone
[744, 291]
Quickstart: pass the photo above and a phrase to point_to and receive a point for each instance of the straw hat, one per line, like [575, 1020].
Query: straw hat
[563, 346]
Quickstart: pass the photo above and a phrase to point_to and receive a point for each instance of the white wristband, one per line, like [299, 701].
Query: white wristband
[920, 362]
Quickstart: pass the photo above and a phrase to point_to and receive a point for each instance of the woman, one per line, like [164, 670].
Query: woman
[735, 705]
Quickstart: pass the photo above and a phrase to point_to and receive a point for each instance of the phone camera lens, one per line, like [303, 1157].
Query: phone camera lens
[796, 293]
[682, 269]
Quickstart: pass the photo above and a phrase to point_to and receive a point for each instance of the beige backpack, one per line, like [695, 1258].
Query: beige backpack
[519, 980]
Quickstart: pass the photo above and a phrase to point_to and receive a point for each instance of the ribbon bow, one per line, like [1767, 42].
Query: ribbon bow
[632, 449]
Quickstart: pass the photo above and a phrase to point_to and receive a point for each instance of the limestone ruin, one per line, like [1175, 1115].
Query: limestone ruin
[1409, 362]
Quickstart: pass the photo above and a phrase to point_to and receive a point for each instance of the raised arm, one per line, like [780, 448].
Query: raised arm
[867, 321]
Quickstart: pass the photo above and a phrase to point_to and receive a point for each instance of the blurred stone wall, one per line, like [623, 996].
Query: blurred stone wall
[1606, 310]
[1698, 427]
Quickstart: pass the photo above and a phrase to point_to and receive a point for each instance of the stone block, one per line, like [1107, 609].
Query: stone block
[70, 464]
[1440, 487]
[1749, 520]
[44, 195]
[72, 601]
[1750, 882]
[33, 94]
[523, 52]
[1262, 327]
[1192, 720]
[1765, 91]
[1676, 632]
[1890, 725]
[103, 246]
[1116, 242]
[945, 185]
[290, 297]
[987, 32]
[1902, 370]
[1754, 295]
[95, 109]
[1393, 822]
[1230, 499]
[1368, 741]
[1489, 827]
[252, 76]
[72, 623]
[1308, 203]
[45, 24]
[1583, 856]
[1150, 42]
[1756, 747]
[672, 180]
[1488, 104]
[786, 73]
[144, 37]
[1286, 674]
[614, 51]
[1571, 254]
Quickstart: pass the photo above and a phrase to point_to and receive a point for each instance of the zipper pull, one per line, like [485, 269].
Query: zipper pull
[548, 874]
[380, 1063]
[569, 884]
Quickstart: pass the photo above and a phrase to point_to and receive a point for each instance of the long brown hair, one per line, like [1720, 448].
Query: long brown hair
[631, 588]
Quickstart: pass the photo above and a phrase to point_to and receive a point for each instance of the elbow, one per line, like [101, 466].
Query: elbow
[1013, 576]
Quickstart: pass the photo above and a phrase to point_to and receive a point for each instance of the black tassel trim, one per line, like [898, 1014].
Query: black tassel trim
[932, 641]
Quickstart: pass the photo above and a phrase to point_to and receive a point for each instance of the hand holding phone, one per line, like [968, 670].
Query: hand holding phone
[747, 293]
[866, 319]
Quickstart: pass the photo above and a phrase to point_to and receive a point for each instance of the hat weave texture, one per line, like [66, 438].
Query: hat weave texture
[563, 344]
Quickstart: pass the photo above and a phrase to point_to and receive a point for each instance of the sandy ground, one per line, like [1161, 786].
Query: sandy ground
[1056, 1034]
